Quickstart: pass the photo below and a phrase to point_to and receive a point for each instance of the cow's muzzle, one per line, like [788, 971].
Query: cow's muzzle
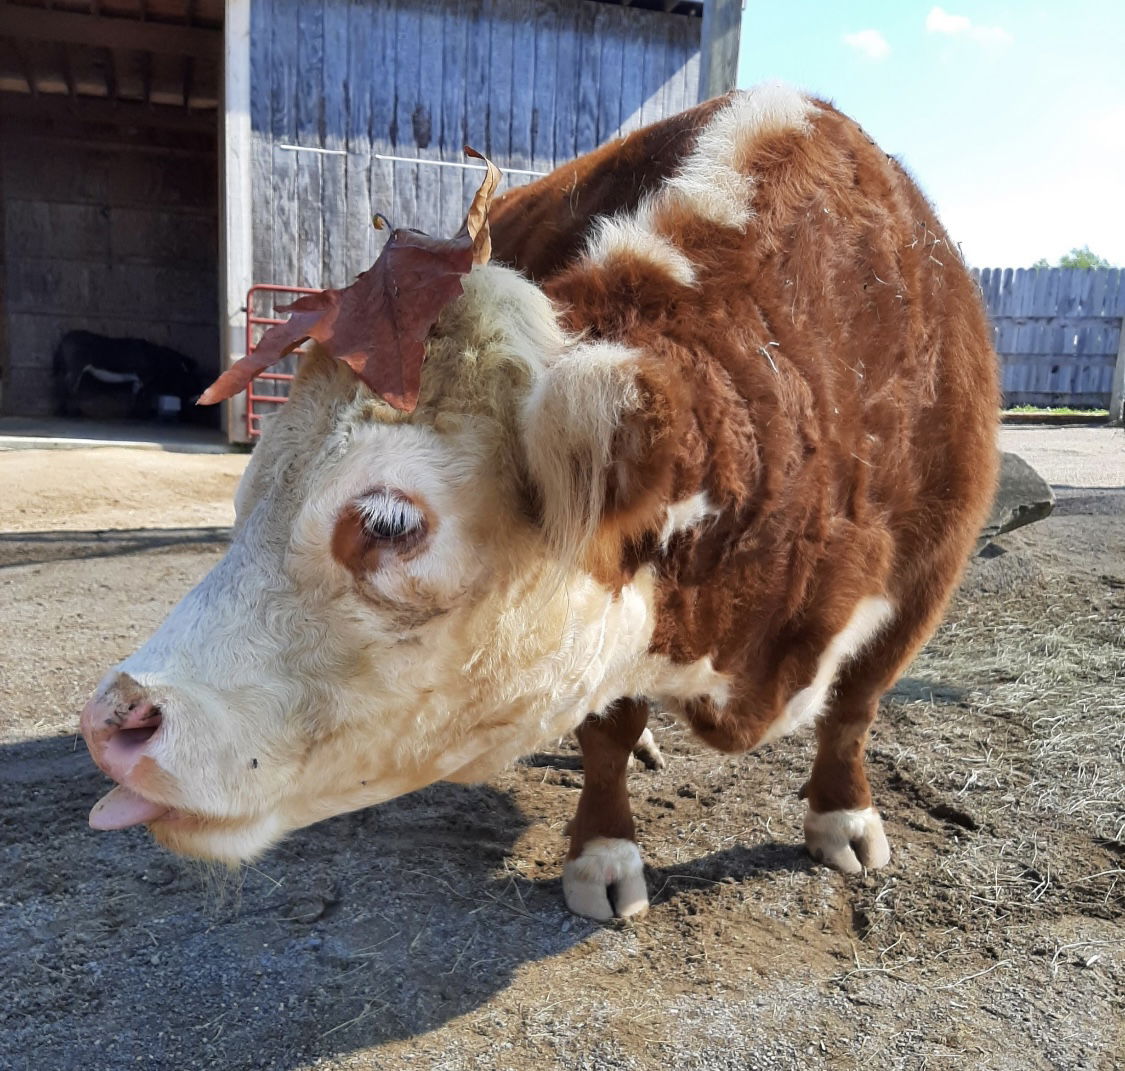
[120, 725]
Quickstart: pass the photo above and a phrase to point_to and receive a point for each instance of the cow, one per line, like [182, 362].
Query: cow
[722, 445]
[97, 376]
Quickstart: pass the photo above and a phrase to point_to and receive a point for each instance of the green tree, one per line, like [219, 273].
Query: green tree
[1076, 258]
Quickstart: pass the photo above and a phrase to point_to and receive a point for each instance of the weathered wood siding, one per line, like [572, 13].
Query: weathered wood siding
[105, 234]
[531, 83]
[1057, 332]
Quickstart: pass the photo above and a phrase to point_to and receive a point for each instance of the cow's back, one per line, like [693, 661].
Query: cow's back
[540, 228]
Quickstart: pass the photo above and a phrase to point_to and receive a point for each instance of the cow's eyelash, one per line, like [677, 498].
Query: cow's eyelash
[386, 515]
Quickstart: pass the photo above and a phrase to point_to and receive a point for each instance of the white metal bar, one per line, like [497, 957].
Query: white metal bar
[410, 160]
[310, 148]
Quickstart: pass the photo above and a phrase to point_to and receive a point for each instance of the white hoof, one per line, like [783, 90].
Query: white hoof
[605, 864]
[646, 751]
[847, 840]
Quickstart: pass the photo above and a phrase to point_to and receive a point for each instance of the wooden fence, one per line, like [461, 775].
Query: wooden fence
[1058, 332]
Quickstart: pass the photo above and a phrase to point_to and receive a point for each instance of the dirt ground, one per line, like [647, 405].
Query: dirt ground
[430, 932]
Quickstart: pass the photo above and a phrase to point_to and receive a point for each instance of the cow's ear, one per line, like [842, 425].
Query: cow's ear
[600, 425]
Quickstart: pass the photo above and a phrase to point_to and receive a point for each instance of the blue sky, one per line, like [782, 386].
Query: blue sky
[1011, 115]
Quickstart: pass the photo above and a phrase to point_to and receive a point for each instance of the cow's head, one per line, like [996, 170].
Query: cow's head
[407, 597]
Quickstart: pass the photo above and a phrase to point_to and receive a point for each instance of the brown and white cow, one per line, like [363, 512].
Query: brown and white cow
[728, 453]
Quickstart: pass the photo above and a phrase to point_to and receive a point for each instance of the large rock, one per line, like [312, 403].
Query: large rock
[1022, 497]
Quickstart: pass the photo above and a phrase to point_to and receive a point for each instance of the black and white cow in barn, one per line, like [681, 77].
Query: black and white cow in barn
[120, 378]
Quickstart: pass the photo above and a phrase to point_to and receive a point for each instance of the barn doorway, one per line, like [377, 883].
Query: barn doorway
[109, 189]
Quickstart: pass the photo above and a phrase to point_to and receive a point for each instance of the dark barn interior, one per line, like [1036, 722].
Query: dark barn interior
[109, 184]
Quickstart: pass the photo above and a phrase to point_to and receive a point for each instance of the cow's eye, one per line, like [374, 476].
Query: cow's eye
[389, 516]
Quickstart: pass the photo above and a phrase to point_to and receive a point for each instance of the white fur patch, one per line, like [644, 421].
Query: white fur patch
[606, 863]
[104, 375]
[847, 840]
[673, 682]
[569, 419]
[711, 181]
[870, 615]
[632, 236]
[686, 514]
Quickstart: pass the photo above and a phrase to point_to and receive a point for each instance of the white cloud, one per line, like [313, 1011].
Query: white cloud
[871, 43]
[941, 21]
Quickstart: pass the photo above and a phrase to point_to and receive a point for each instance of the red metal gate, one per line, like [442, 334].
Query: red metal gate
[256, 325]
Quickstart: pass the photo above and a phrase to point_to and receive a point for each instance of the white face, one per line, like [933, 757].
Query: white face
[388, 615]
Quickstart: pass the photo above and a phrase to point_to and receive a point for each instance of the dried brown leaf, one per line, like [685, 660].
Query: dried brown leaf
[476, 222]
[378, 325]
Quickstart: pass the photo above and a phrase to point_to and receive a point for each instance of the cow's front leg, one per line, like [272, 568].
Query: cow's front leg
[604, 874]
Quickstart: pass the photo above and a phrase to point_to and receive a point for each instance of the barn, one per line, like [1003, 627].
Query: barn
[171, 169]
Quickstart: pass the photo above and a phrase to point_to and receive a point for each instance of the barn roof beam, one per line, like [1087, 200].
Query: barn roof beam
[96, 110]
[40, 24]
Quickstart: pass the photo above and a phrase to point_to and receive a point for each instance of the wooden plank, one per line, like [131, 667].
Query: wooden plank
[49, 286]
[692, 75]
[545, 87]
[361, 75]
[110, 112]
[335, 120]
[634, 34]
[718, 46]
[406, 74]
[155, 234]
[1004, 304]
[588, 59]
[1083, 291]
[501, 38]
[674, 96]
[476, 14]
[427, 116]
[451, 139]
[261, 153]
[36, 24]
[52, 229]
[652, 86]
[567, 79]
[611, 61]
[280, 208]
[381, 89]
[309, 117]
[1113, 303]
[524, 76]
[1117, 383]
[689, 74]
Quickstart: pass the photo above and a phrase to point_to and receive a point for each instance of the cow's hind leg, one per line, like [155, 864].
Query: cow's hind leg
[604, 874]
[842, 826]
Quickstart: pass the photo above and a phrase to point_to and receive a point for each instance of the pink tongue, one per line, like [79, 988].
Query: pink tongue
[122, 807]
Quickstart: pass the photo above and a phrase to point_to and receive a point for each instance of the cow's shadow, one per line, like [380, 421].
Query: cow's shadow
[370, 928]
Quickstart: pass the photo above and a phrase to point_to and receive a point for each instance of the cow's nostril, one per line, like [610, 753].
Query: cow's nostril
[123, 745]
